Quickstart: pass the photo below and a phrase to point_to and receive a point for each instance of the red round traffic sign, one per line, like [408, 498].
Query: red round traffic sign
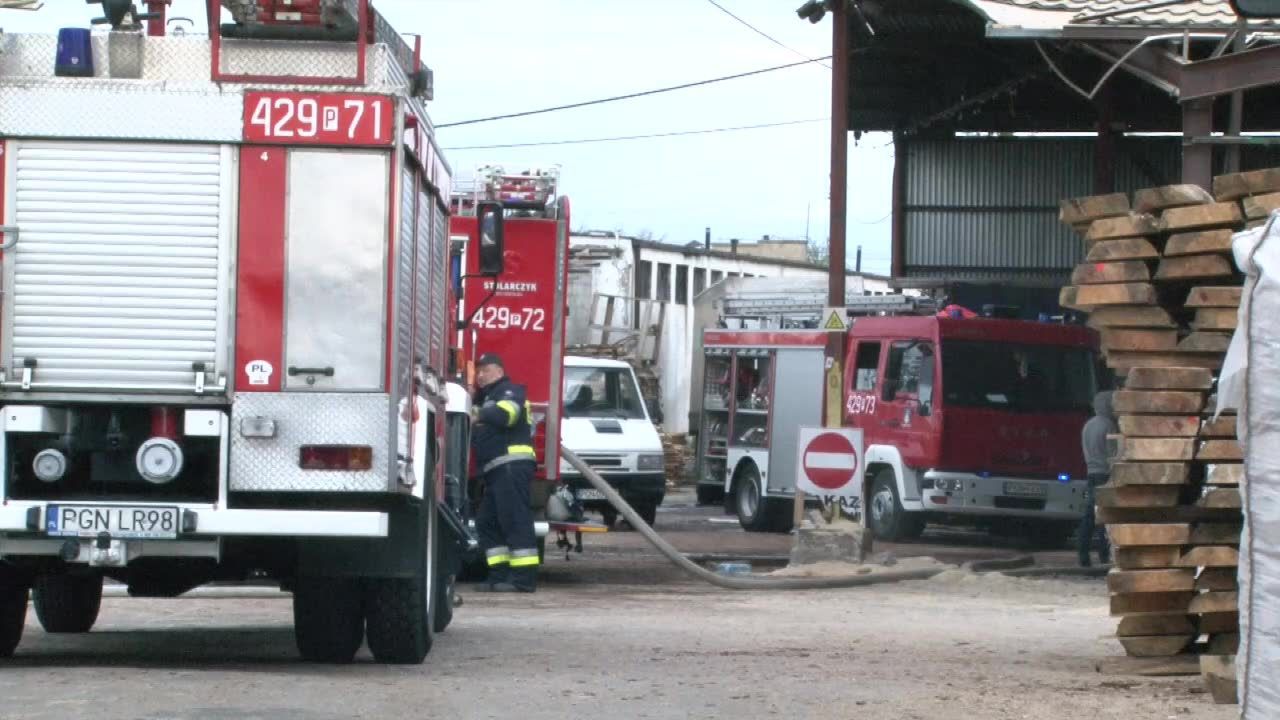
[830, 461]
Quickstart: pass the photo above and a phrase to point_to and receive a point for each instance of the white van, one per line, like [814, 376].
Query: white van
[606, 423]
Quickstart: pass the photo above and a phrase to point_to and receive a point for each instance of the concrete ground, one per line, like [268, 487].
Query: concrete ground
[617, 633]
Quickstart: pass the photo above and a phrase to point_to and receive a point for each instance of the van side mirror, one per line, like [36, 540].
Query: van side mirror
[489, 217]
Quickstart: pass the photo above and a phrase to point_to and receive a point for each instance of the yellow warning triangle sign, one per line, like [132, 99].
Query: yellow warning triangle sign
[833, 320]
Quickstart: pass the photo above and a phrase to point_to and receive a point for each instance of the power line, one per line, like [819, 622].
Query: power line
[636, 137]
[630, 96]
[764, 34]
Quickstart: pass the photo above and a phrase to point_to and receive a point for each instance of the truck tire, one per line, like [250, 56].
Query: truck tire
[328, 619]
[67, 603]
[888, 520]
[446, 584]
[13, 614]
[710, 495]
[398, 618]
[757, 513]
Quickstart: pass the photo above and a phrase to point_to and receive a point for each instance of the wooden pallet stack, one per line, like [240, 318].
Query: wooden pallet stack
[1162, 289]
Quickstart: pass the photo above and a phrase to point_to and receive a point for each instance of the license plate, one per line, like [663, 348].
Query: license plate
[1025, 489]
[123, 522]
[591, 494]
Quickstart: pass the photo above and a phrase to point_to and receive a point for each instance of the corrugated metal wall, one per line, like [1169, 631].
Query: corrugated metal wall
[987, 208]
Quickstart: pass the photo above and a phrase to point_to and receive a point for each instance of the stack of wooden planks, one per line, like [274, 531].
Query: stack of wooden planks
[1161, 287]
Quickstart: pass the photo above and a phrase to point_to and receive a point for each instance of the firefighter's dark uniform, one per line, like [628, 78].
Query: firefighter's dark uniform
[503, 444]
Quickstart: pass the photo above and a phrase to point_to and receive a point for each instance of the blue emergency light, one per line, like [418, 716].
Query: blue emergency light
[75, 53]
[1063, 478]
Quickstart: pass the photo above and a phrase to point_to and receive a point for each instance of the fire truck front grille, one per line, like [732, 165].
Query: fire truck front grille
[119, 266]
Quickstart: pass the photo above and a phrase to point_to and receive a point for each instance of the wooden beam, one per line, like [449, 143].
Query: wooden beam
[1077, 211]
[1258, 207]
[1239, 185]
[1223, 622]
[1169, 379]
[1125, 249]
[1205, 342]
[1198, 243]
[1156, 645]
[1144, 340]
[1198, 217]
[1214, 297]
[1214, 534]
[1210, 556]
[1149, 534]
[1157, 401]
[1151, 603]
[1224, 474]
[1219, 673]
[1220, 450]
[1217, 580]
[1175, 666]
[1194, 267]
[1223, 427]
[1098, 273]
[1089, 296]
[1214, 602]
[1170, 196]
[1138, 496]
[1126, 226]
[1157, 449]
[1142, 558]
[1123, 473]
[1216, 319]
[1145, 581]
[1159, 425]
[1225, 498]
[1125, 360]
[1130, 316]
[1137, 625]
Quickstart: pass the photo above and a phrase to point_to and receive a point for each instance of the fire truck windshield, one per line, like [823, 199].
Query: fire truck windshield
[602, 393]
[1020, 378]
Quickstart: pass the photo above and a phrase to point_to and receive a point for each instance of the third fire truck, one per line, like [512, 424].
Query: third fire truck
[965, 419]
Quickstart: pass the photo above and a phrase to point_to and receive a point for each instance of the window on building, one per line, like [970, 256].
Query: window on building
[644, 271]
[664, 282]
[682, 284]
[699, 281]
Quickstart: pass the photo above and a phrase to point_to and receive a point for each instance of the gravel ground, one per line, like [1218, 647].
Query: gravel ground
[619, 634]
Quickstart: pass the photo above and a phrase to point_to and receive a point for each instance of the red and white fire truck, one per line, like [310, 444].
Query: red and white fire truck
[971, 420]
[226, 322]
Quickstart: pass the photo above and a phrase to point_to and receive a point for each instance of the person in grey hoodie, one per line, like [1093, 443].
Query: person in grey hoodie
[1097, 461]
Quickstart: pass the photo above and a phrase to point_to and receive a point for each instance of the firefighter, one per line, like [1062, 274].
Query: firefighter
[503, 442]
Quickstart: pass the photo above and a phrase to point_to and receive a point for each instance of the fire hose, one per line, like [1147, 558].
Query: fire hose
[734, 582]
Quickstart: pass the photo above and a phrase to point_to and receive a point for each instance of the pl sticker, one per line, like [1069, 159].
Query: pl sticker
[259, 372]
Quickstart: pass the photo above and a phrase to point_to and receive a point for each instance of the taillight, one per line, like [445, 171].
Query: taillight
[335, 457]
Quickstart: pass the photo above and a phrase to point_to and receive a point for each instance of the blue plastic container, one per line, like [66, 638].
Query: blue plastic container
[75, 53]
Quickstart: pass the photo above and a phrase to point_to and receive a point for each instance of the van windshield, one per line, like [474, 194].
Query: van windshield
[1021, 378]
[601, 393]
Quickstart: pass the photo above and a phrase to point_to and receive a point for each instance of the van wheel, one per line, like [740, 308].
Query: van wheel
[757, 513]
[67, 603]
[887, 518]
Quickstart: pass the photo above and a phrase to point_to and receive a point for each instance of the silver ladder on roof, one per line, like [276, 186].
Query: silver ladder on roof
[798, 310]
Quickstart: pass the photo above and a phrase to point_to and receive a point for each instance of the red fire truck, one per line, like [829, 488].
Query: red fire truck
[226, 321]
[965, 420]
[520, 314]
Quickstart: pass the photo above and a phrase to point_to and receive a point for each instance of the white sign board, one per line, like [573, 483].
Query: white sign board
[830, 465]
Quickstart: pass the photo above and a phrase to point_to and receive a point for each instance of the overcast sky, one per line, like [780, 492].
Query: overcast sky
[500, 56]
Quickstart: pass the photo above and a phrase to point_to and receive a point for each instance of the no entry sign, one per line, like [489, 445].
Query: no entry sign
[830, 462]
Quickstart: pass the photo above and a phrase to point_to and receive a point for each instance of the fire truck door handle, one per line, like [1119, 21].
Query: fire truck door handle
[10, 233]
[325, 371]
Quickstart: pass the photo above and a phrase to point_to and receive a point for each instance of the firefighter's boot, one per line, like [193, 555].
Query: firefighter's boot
[498, 575]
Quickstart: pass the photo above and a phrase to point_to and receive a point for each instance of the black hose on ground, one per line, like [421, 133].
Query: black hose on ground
[727, 581]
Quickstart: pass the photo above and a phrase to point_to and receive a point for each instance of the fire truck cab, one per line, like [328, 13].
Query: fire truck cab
[225, 322]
